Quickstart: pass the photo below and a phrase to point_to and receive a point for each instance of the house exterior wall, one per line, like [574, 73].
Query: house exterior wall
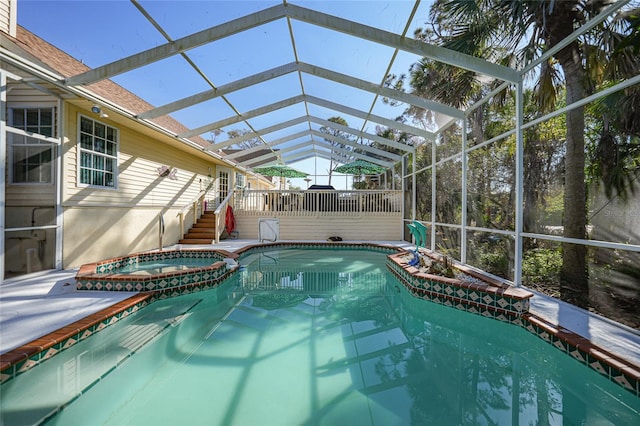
[8, 16]
[105, 222]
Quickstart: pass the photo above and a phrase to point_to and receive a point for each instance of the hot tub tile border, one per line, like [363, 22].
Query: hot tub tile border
[516, 312]
[109, 265]
[89, 279]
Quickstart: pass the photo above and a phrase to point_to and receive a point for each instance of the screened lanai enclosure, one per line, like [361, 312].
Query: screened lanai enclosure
[513, 132]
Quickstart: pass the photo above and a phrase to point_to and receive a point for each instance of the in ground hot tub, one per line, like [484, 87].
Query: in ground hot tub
[155, 271]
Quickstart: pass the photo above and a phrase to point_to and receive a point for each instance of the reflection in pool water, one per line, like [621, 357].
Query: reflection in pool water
[314, 337]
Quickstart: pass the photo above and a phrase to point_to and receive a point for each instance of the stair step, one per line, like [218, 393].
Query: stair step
[202, 230]
[196, 241]
[204, 225]
[206, 219]
[200, 235]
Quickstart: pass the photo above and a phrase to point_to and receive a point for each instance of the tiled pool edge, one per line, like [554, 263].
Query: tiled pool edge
[343, 244]
[615, 368]
[453, 293]
[22, 359]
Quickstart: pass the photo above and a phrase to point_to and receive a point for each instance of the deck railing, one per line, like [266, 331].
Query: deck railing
[314, 202]
[221, 212]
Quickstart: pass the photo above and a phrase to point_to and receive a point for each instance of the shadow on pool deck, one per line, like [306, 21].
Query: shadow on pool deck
[38, 304]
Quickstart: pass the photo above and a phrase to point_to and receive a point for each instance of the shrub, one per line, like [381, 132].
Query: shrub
[541, 265]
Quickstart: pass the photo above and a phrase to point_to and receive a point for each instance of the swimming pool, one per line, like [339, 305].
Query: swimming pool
[312, 336]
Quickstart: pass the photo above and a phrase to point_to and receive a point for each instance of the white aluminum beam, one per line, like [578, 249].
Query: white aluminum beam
[364, 135]
[416, 47]
[251, 114]
[370, 117]
[299, 120]
[366, 148]
[248, 163]
[311, 152]
[383, 91]
[259, 133]
[302, 155]
[220, 91]
[363, 147]
[277, 154]
[269, 144]
[330, 154]
[177, 46]
[341, 78]
[347, 153]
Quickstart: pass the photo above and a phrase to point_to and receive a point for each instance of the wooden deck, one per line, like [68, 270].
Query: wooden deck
[320, 214]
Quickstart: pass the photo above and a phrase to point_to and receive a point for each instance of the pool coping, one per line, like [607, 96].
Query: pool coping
[614, 367]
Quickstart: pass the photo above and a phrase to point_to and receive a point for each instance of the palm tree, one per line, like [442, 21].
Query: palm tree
[515, 32]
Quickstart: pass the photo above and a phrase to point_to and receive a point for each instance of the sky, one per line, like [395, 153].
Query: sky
[99, 32]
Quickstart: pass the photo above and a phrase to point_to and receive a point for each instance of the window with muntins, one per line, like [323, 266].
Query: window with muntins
[98, 152]
[31, 157]
[224, 185]
[240, 181]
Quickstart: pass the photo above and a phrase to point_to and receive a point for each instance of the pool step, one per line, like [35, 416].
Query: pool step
[202, 232]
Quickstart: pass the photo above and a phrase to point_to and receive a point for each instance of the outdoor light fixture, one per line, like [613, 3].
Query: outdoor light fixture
[97, 110]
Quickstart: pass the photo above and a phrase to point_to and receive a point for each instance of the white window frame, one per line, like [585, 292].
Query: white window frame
[35, 138]
[97, 153]
[241, 181]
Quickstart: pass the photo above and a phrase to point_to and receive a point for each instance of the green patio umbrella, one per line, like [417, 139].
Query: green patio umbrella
[360, 167]
[280, 170]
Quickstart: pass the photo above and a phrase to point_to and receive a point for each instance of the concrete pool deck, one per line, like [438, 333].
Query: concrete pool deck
[38, 304]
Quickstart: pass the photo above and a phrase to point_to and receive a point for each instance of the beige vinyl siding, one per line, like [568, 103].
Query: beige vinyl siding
[5, 11]
[8, 16]
[101, 223]
[387, 228]
[138, 183]
[92, 234]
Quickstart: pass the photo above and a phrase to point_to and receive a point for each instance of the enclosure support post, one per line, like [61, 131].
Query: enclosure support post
[463, 185]
[3, 162]
[413, 185]
[433, 194]
[517, 270]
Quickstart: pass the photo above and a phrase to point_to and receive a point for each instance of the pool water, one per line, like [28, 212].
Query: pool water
[312, 337]
[162, 266]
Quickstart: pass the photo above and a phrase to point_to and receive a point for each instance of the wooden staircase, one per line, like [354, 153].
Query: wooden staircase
[203, 231]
